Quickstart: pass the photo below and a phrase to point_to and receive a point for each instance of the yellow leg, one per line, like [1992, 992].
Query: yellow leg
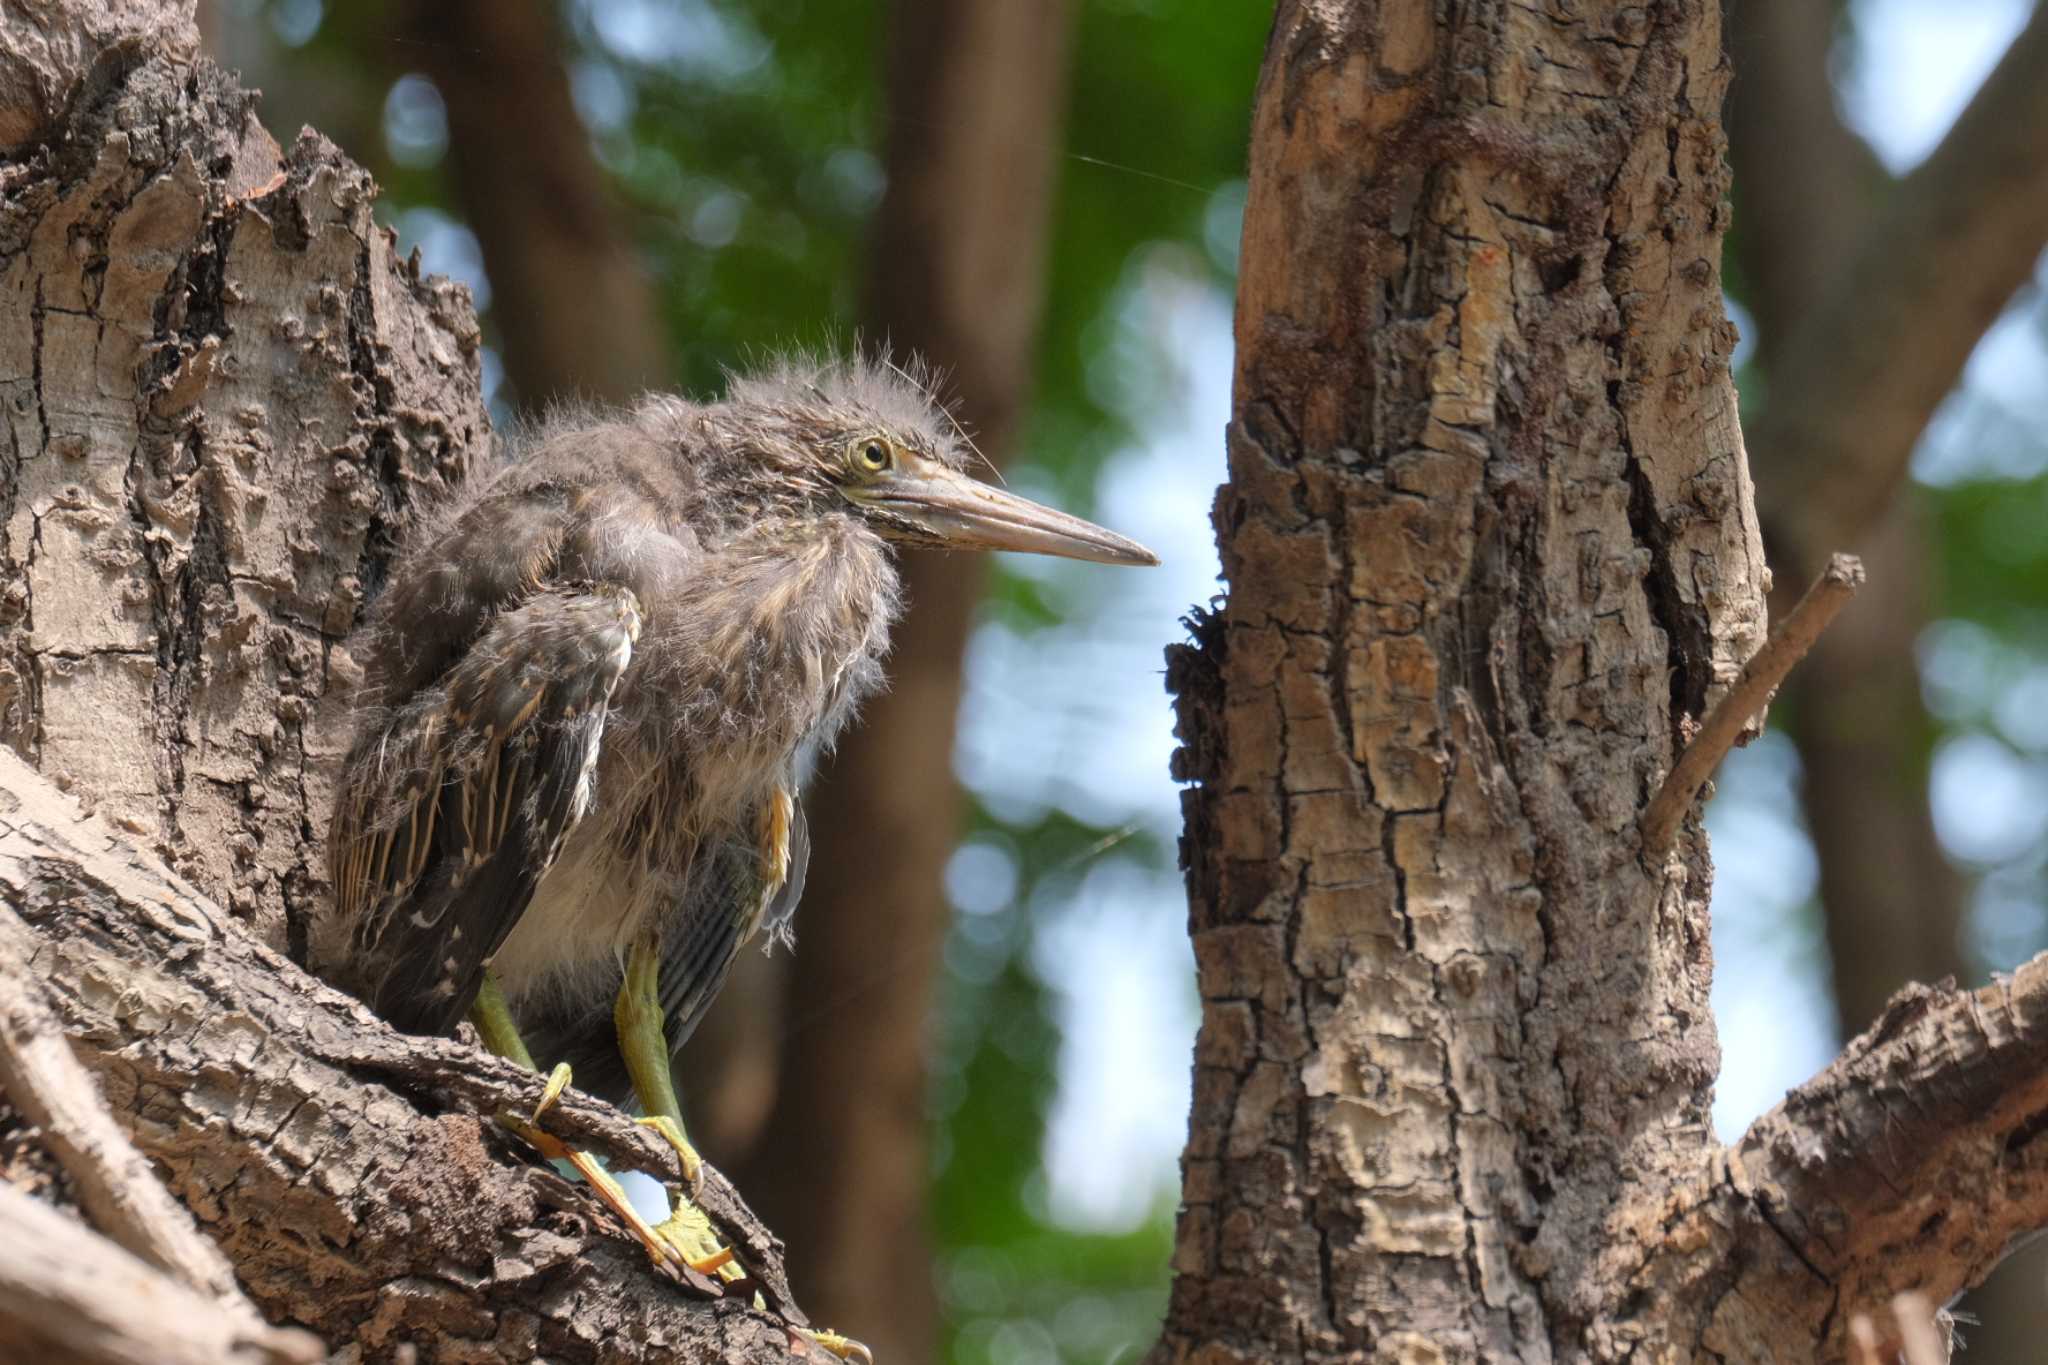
[495, 1025]
[500, 1033]
[846, 1348]
[638, 1017]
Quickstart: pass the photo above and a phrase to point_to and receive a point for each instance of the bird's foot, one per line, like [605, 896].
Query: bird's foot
[688, 1232]
[558, 1081]
[696, 1246]
[672, 1133]
[846, 1348]
[688, 1228]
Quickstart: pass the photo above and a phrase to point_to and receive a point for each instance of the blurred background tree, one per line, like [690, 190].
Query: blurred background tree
[962, 1101]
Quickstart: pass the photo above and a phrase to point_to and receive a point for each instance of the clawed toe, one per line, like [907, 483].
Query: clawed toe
[846, 1348]
[693, 1165]
[689, 1233]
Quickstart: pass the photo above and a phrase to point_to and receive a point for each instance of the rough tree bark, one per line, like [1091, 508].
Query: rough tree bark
[223, 392]
[1492, 555]
[342, 1167]
[224, 396]
[958, 275]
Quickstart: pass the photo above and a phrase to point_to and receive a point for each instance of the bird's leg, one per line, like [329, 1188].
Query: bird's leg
[492, 1017]
[638, 1016]
[644, 1045]
[500, 1033]
[642, 1042]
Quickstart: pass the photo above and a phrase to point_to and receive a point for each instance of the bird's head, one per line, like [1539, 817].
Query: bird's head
[869, 436]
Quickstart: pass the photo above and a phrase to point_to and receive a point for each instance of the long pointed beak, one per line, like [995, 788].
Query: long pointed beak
[967, 514]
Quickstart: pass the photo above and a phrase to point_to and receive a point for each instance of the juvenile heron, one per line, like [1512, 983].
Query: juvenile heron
[593, 690]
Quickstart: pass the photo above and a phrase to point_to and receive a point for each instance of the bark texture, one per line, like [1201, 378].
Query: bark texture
[1492, 553]
[1491, 550]
[224, 397]
[48, 51]
[69, 1297]
[352, 1174]
[1913, 1163]
[958, 275]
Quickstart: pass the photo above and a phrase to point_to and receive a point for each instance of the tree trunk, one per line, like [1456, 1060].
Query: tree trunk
[1492, 556]
[224, 397]
[958, 275]
[579, 318]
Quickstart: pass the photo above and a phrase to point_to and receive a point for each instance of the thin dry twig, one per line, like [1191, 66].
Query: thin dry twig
[64, 1289]
[101, 909]
[116, 1186]
[1750, 694]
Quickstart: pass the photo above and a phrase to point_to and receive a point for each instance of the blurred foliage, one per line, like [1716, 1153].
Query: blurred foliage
[1981, 475]
[746, 143]
[1984, 662]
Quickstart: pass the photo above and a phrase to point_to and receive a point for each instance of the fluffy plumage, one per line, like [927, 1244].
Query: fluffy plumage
[593, 689]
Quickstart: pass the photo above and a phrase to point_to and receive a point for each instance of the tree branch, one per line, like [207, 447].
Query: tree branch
[1909, 1167]
[1955, 239]
[1750, 693]
[1919, 1158]
[116, 1188]
[347, 1170]
[68, 1293]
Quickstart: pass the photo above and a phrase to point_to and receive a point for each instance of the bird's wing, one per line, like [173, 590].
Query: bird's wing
[456, 803]
[737, 899]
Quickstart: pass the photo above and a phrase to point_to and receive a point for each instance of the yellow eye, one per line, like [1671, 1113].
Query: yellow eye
[872, 455]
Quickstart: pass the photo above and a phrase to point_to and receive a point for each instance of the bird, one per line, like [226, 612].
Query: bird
[593, 688]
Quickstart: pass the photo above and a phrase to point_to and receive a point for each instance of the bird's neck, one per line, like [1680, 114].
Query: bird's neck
[776, 634]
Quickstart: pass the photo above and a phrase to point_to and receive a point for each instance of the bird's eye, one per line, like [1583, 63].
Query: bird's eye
[872, 456]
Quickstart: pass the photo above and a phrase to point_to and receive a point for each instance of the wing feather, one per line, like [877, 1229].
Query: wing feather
[724, 914]
[457, 801]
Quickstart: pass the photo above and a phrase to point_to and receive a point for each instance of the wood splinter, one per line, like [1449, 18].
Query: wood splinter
[1752, 691]
[1920, 1336]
